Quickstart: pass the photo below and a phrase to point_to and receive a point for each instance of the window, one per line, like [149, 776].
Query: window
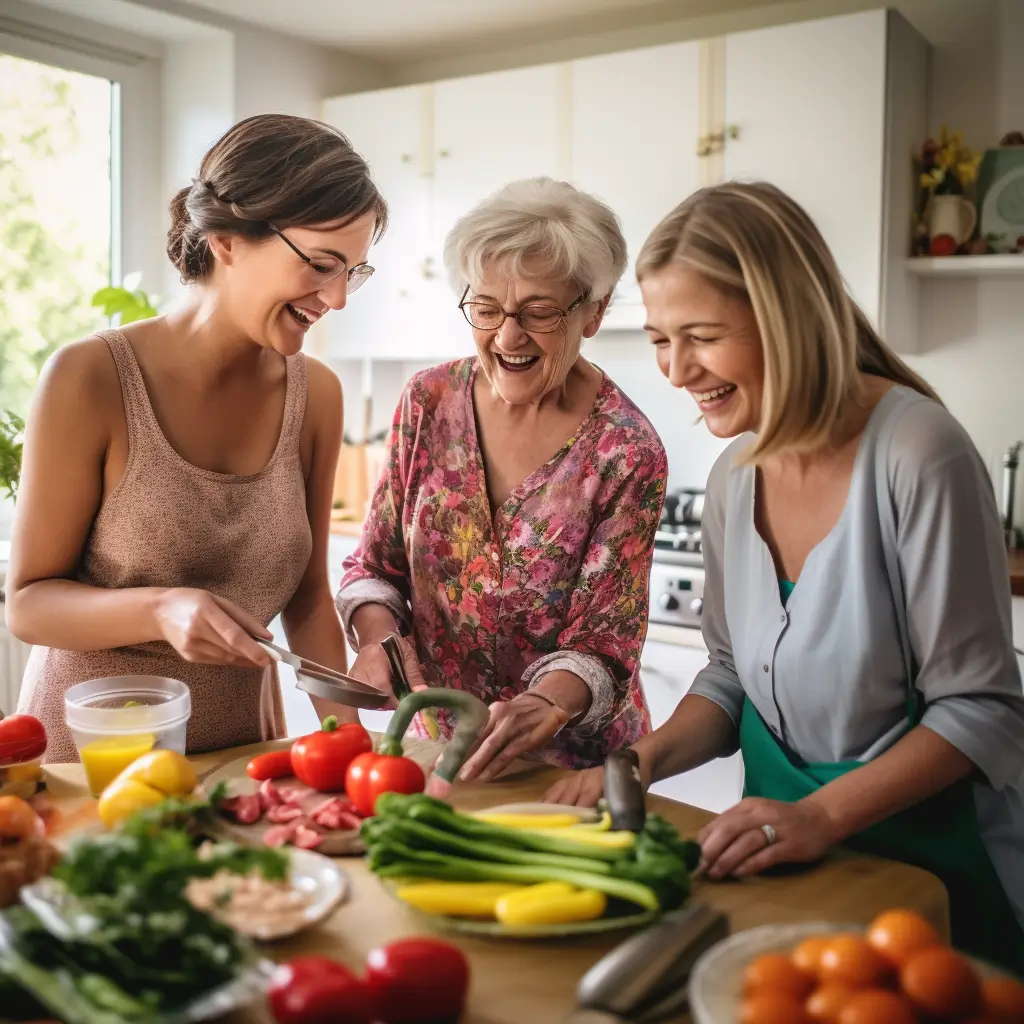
[55, 214]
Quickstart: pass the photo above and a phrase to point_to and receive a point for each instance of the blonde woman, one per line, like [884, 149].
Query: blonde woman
[857, 606]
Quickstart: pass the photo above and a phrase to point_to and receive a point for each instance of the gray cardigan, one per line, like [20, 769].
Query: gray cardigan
[827, 671]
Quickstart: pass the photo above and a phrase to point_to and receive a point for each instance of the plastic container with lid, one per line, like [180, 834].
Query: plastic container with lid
[120, 718]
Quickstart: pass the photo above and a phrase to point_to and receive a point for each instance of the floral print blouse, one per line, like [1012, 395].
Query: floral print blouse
[556, 579]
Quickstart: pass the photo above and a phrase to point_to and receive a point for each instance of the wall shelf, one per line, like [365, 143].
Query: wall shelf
[996, 265]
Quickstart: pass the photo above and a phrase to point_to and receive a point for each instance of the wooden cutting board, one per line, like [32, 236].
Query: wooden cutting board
[337, 843]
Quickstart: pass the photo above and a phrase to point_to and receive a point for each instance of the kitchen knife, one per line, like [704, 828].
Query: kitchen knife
[648, 973]
[623, 791]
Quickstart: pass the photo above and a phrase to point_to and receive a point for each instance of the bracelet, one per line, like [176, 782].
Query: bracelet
[548, 700]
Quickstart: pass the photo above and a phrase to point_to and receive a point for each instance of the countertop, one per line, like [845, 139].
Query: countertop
[515, 982]
[1016, 559]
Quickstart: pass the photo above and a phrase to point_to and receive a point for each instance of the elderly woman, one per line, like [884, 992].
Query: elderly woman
[857, 604]
[511, 532]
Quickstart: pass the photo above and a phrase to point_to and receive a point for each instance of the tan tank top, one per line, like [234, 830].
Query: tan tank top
[171, 524]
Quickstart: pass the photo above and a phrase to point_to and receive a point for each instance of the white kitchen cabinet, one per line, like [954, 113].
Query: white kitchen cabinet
[830, 110]
[667, 672]
[635, 122]
[382, 320]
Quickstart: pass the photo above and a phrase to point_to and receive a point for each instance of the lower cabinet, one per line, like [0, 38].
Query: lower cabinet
[668, 672]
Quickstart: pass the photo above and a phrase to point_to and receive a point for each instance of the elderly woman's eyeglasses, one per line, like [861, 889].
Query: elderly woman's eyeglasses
[326, 267]
[534, 318]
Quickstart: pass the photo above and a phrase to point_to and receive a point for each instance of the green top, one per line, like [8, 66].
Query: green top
[786, 589]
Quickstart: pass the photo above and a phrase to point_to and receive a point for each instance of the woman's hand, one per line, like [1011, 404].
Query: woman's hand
[373, 668]
[584, 788]
[735, 843]
[515, 727]
[212, 630]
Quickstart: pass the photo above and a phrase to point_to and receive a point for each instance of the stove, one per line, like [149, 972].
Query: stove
[677, 573]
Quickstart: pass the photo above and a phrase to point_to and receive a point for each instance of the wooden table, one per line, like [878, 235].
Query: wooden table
[521, 982]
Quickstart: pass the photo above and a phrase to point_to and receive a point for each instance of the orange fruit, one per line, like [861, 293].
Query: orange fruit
[1003, 998]
[849, 960]
[775, 972]
[807, 955]
[898, 934]
[767, 1007]
[825, 1005]
[940, 982]
[876, 1006]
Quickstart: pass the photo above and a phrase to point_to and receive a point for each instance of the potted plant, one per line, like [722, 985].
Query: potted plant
[947, 169]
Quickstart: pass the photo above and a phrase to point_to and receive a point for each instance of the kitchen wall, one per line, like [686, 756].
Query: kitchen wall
[972, 346]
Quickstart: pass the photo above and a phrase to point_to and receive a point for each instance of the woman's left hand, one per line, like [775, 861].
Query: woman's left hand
[736, 844]
[515, 726]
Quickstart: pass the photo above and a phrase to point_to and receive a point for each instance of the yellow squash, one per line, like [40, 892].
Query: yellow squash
[144, 783]
[550, 903]
[530, 821]
[456, 899]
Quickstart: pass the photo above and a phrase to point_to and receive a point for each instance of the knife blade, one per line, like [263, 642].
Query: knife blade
[651, 967]
[623, 791]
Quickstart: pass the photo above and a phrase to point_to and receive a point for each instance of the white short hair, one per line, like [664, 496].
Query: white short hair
[558, 230]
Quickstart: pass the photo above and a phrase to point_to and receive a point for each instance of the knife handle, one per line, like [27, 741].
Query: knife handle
[623, 791]
[399, 680]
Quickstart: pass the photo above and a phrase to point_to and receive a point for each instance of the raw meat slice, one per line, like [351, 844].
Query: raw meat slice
[270, 796]
[306, 838]
[283, 813]
[280, 835]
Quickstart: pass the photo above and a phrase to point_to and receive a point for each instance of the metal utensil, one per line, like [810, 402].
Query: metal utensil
[327, 683]
[623, 791]
[645, 977]
[399, 680]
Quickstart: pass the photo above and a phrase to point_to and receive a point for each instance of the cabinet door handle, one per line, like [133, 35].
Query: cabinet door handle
[715, 142]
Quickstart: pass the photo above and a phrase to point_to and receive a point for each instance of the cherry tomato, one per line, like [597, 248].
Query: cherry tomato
[370, 775]
[778, 973]
[18, 820]
[417, 980]
[849, 960]
[877, 1006]
[316, 990]
[321, 759]
[898, 934]
[275, 765]
[22, 738]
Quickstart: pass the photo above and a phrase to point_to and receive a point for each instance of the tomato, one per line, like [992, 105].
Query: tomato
[316, 990]
[825, 1005]
[940, 982]
[418, 980]
[849, 960]
[275, 765]
[321, 759]
[22, 738]
[807, 956]
[1003, 998]
[767, 1007]
[18, 820]
[777, 973]
[876, 1006]
[370, 775]
[898, 934]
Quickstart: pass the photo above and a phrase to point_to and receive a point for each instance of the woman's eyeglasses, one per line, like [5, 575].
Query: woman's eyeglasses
[534, 319]
[327, 267]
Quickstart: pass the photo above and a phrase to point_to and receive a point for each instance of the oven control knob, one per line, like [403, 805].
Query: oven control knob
[697, 605]
[668, 602]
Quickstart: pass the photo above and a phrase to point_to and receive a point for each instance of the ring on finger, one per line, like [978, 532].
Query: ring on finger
[770, 834]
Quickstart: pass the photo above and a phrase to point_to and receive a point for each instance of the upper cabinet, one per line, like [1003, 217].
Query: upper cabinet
[828, 110]
[435, 151]
[635, 122]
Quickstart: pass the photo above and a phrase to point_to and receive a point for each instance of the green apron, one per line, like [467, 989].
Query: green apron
[940, 834]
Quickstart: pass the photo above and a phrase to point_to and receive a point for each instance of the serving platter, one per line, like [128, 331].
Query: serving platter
[716, 984]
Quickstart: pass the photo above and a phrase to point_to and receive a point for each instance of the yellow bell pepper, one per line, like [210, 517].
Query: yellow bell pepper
[123, 797]
[165, 770]
[145, 782]
[456, 899]
[530, 821]
[550, 903]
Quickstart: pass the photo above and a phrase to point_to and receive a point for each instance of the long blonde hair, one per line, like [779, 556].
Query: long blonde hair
[755, 243]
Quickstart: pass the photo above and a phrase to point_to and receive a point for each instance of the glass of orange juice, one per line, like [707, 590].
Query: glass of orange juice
[105, 759]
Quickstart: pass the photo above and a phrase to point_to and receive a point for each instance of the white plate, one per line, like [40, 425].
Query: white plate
[716, 983]
[324, 884]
